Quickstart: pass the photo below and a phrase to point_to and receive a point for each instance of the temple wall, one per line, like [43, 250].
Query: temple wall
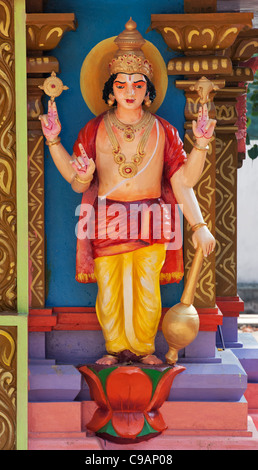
[247, 253]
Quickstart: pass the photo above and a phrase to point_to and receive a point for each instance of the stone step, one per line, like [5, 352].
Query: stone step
[70, 442]
[225, 380]
[248, 355]
[194, 442]
[199, 440]
[51, 382]
[72, 417]
[191, 425]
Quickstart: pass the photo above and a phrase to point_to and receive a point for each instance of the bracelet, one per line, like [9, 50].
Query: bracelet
[196, 226]
[53, 142]
[82, 181]
[198, 147]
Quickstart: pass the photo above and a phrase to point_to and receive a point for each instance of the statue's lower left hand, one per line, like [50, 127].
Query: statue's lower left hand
[203, 238]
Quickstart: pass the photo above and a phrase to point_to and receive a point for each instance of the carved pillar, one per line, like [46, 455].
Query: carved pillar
[231, 148]
[201, 37]
[205, 192]
[36, 195]
[8, 294]
[226, 191]
[44, 32]
[206, 40]
[8, 239]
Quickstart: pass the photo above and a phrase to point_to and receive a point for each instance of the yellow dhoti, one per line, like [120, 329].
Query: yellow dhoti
[128, 303]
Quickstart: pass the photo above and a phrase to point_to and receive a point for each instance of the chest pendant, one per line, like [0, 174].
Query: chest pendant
[128, 169]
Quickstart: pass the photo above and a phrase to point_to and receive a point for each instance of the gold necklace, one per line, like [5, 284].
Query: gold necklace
[128, 169]
[129, 129]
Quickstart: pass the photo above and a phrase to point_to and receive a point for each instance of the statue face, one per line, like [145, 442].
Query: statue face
[130, 90]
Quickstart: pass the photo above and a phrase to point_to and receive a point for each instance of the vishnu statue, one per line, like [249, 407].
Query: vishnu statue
[128, 157]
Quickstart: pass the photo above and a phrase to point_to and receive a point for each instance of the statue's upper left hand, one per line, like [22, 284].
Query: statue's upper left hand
[51, 126]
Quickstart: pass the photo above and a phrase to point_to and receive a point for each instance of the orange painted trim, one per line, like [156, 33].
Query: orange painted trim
[85, 319]
[230, 306]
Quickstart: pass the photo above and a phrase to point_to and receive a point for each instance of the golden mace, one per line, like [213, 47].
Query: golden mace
[181, 322]
[180, 325]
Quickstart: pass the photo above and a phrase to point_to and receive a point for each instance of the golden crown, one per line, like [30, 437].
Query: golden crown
[129, 63]
[129, 57]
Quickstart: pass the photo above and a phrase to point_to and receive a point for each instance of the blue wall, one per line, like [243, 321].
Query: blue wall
[97, 20]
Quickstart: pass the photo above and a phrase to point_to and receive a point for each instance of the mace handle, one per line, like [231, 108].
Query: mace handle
[193, 276]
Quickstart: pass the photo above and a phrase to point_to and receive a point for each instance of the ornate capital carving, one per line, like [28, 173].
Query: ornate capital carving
[200, 32]
[208, 65]
[244, 47]
[42, 64]
[45, 30]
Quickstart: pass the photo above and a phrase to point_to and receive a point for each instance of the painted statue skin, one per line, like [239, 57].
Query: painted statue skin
[130, 91]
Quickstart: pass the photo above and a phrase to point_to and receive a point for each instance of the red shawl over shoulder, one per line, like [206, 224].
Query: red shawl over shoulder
[174, 157]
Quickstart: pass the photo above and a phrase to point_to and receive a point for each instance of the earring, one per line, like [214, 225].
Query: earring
[147, 101]
[111, 100]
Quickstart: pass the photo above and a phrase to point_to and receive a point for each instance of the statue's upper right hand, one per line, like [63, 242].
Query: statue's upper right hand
[50, 123]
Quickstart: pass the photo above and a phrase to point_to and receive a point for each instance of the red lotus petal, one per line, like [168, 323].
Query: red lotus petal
[156, 420]
[96, 390]
[128, 389]
[128, 425]
[99, 419]
[163, 388]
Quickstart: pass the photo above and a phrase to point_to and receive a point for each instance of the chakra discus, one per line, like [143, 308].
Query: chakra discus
[53, 86]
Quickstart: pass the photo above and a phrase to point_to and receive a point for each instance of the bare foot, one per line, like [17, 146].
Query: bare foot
[107, 360]
[151, 359]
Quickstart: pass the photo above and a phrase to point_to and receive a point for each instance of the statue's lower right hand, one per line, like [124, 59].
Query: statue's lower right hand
[83, 166]
[50, 123]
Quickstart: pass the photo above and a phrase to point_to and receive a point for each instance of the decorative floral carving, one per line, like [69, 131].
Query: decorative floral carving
[36, 218]
[226, 178]
[7, 387]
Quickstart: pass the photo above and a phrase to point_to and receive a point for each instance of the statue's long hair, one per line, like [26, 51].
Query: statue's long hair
[108, 88]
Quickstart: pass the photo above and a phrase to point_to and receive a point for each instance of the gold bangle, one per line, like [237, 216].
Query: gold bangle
[196, 226]
[198, 147]
[82, 181]
[53, 142]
